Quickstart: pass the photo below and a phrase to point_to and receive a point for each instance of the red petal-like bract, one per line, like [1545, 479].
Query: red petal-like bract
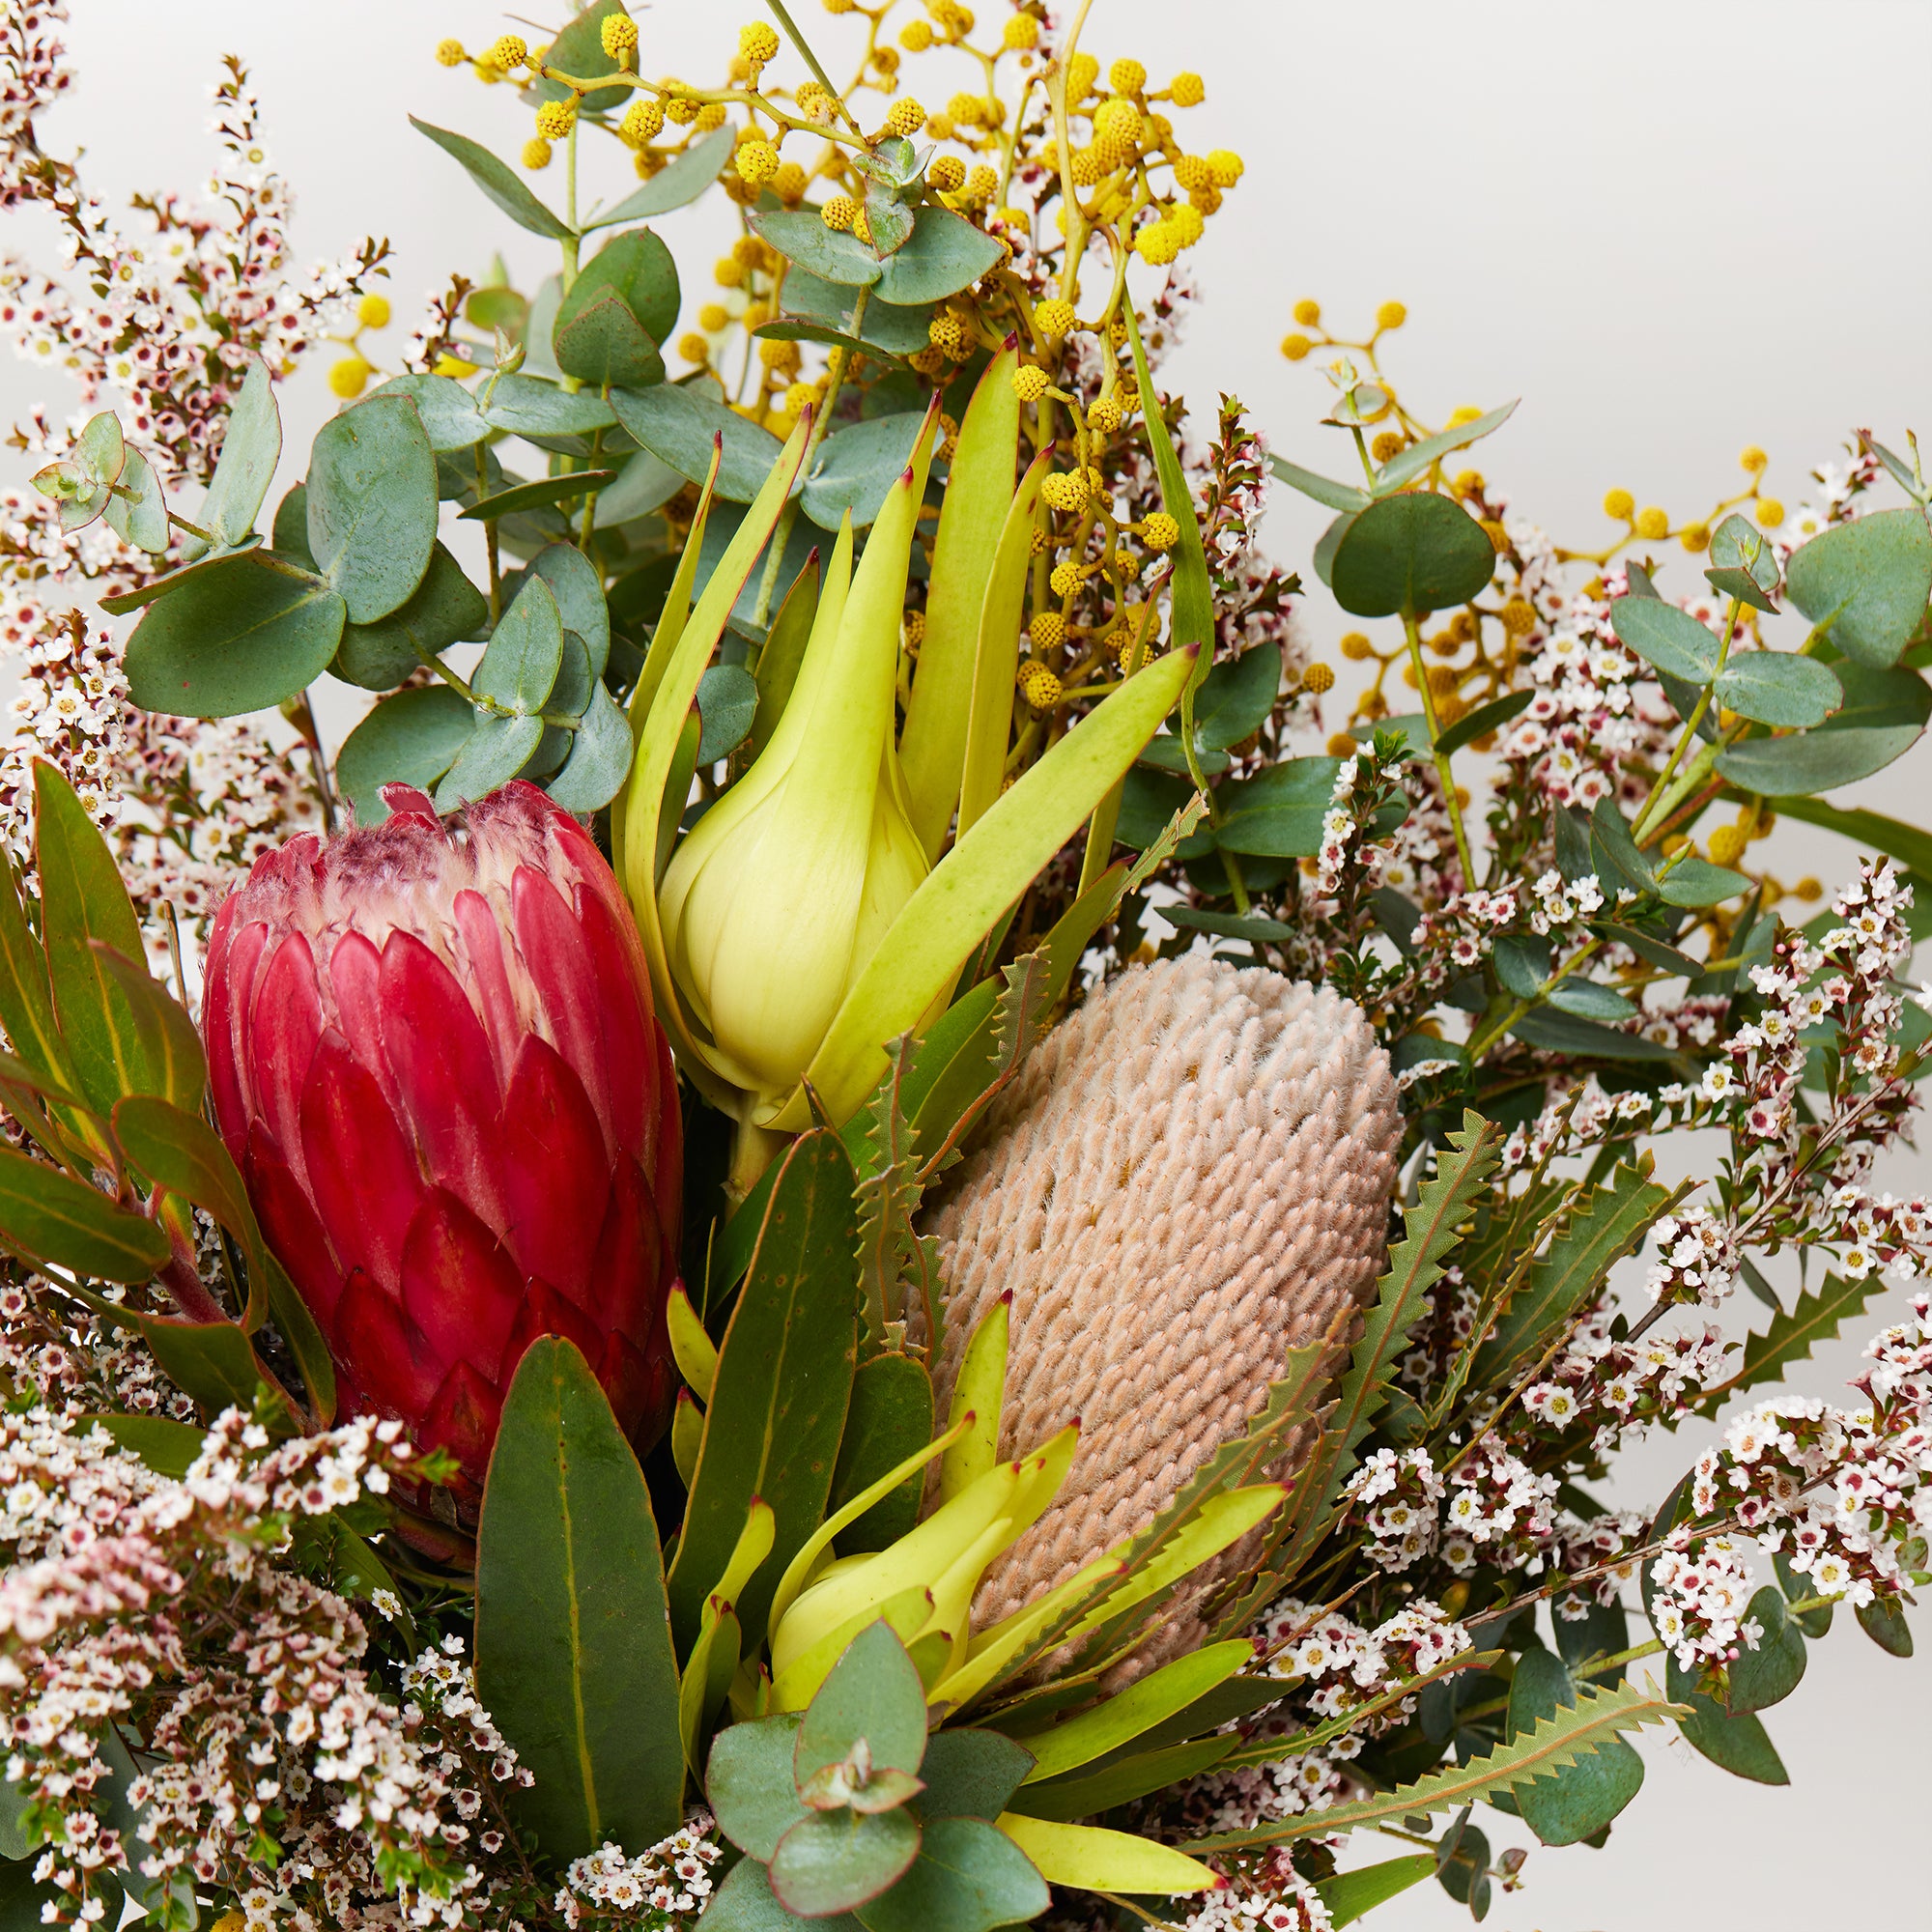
[433, 1058]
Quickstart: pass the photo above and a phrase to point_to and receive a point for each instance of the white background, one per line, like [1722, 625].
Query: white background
[1674, 229]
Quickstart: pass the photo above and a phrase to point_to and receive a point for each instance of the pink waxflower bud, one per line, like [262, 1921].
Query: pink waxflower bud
[433, 1058]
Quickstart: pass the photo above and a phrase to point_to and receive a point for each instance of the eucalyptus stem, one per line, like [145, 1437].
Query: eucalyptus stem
[789, 26]
[1690, 724]
[1441, 759]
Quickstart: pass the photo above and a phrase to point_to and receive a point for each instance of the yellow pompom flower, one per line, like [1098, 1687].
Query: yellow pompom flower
[945, 173]
[618, 33]
[508, 52]
[1295, 345]
[905, 117]
[1188, 223]
[1753, 459]
[788, 184]
[555, 119]
[1226, 166]
[643, 120]
[1048, 631]
[1317, 678]
[1082, 72]
[1116, 133]
[536, 153]
[1157, 244]
[1064, 579]
[839, 214]
[759, 41]
[965, 110]
[1307, 313]
[454, 367]
[1770, 512]
[729, 273]
[1499, 538]
[1620, 504]
[1191, 172]
[1188, 90]
[1030, 383]
[1055, 318]
[1065, 491]
[1651, 523]
[1518, 616]
[1126, 76]
[1694, 537]
[1391, 315]
[757, 162]
[948, 335]
[694, 348]
[372, 311]
[450, 54]
[1020, 34]
[916, 37]
[1104, 417]
[349, 377]
[709, 117]
[861, 224]
[1386, 443]
[713, 317]
[681, 110]
[982, 185]
[1039, 686]
[1160, 531]
[1726, 844]
[799, 398]
[1084, 165]
[1355, 645]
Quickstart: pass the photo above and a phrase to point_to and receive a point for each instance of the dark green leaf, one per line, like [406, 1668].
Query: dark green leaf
[1230, 925]
[728, 702]
[680, 426]
[412, 738]
[1350, 1894]
[495, 751]
[800, 234]
[1407, 463]
[573, 1644]
[543, 490]
[1647, 946]
[600, 756]
[178, 1150]
[250, 448]
[639, 269]
[1414, 553]
[871, 1692]
[749, 1784]
[600, 341]
[681, 181]
[1602, 1630]
[211, 1360]
[1667, 637]
[783, 1382]
[969, 1877]
[784, 653]
[299, 1328]
[1776, 688]
[1614, 848]
[1191, 618]
[856, 469]
[1484, 718]
[1697, 882]
[168, 1448]
[1766, 1676]
[1743, 563]
[1868, 582]
[969, 1773]
[578, 50]
[1585, 1794]
[834, 1861]
[498, 180]
[1329, 543]
[1346, 497]
[55, 1218]
[1120, 1778]
[519, 668]
[451, 417]
[744, 1903]
[1522, 964]
[372, 504]
[446, 610]
[1278, 812]
[1564, 1033]
[891, 1417]
[943, 254]
[1884, 1622]
[831, 307]
[528, 406]
[26, 999]
[1740, 1745]
[237, 638]
[1591, 1001]
[171, 580]
[1814, 1623]
[1236, 696]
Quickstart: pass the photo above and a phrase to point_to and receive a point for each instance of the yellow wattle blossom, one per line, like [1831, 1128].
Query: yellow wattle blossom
[1105, 416]
[1030, 383]
[1048, 631]
[618, 35]
[555, 119]
[916, 37]
[757, 161]
[1037, 685]
[536, 153]
[1620, 504]
[1294, 345]
[507, 52]
[1307, 313]
[1769, 513]
[1126, 76]
[839, 214]
[905, 117]
[372, 311]
[348, 378]
[1067, 489]
[758, 41]
[694, 348]
[1020, 34]
[450, 54]
[1391, 315]
[1651, 523]
[1318, 678]
[1226, 166]
[1188, 90]
[1726, 844]
[1055, 318]
[643, 120]
[945, 173]
[1356, 647]
[1160, 531]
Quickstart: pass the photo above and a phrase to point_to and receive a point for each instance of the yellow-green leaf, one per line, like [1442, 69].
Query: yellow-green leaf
[1097, 1859]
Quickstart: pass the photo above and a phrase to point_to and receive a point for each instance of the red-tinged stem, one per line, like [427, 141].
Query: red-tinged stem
[191, 1294]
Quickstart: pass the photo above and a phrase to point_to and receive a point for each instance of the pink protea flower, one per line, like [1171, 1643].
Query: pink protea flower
[433, 1058]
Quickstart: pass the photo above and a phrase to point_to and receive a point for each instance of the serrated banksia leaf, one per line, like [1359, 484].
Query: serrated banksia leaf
[1189, 1177]
[434, 1057]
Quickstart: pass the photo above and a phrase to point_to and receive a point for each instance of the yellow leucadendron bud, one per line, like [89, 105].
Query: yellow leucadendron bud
[777, 899]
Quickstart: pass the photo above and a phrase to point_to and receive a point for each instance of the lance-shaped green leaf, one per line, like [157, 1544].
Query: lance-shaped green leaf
[372, 504]
[783, 1386]
[1410, 553]
[412, 738]
[26, 999]
[251, 447]
[1346, 497]
[1608, 1223]
[573, 1644]
[1585, 1793]
[51, 1217]
[498, 180]
[1352, 1894]
[1695, 882]
[234, 639]
[1121, 1779]
[82, 900]
[1191, 618]
[783, 652]
[170, 1047]
[536, 494]
[890, 1418]
[1124, 1717]
[1486, 718]
[1433, 1229]
[1554, 1742]
[963, 895]
[1408, 464]
[1866, 583]
[682, 179]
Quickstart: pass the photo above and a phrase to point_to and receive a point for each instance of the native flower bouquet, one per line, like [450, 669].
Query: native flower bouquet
[874, 1241]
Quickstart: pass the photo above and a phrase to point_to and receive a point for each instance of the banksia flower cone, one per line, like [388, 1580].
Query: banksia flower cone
[1188, 1178]
[433, 1058]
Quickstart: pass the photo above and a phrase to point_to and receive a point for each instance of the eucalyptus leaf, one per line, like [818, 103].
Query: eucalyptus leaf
[1866, 583]
[527, 405]
[140, 517]
[1775, 687]
[535, 493]
[412, 738]
[1667, 638]
[1236, 698]
[579, 589]
[1591, 1001]
[832, 305]
[1347, 496]
[578, 50]
[1697, 882]
[680, 426]
[1278, 812]
[251, 447]
[600, 756]
[728, 702]
[871, 1692]
[834, 1860]
[800, 234]
[446, 610]
[451, 417]
[602, 343]
[1743, 563]
[493, 754]
[1408, 464]
[856, 469]
[524, 654]
[969, 1877]
[680, 180]
[1416, 554]
[1484, 718]
[498, 180]
[1815, 761]
[1584, 1795]
[372, 504]
[1760, 1677]
[888, 222]
[1329, 543]
[638, 268]
[645, 483]
[944, 254]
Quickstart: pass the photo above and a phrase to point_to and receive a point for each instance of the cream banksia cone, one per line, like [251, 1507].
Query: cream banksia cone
[1189, 1177]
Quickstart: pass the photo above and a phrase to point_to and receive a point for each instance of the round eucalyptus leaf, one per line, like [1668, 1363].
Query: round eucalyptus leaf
[251, 447]
[600, 756]
[536, 494]
[571, 693]
[493, 754]
[1329, 543]
[527, 405]
[832, 306]
[679, 426]
[1768, 1674]
[639, 269]
[1776, 688]
[578, 592]
[800, 234]
[412, 738]
[889, 221]
[1585, 1793]
[141, 517]
[447, 609]
[1235, 697]
[519, 668]
[605, 344]
[579, 51]
[234, 639]
[288, 534]
[1416, 554]
[372, 504]
[158, 588]
[1743, 563]
[1869, 579]
[645, 483]
[943, 254]
[1667, 638]
[856, 469]
[833, 1861]
[1881, 719]
[728, 702]
[451, 417]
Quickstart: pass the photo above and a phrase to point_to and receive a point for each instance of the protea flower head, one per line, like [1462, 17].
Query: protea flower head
[433, 1058]
[1189, 1177]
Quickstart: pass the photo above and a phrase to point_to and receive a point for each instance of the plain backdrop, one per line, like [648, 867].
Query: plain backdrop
[1673, 229]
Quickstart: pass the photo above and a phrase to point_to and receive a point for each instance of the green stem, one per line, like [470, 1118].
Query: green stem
[489, 544]
[1413, 632]
[811, 59]
[431, 662]
[1696, 718]
[193, 529]
[1485, 1037]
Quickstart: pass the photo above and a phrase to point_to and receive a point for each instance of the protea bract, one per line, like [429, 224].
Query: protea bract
[434, 1057]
